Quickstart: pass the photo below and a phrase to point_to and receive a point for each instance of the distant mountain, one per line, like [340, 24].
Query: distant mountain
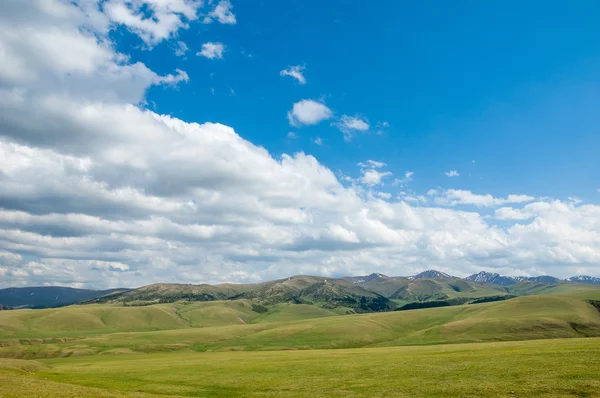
[330, 293]
[366, 278]
[495, 279]
[543, 279]
[432, 274]
[369, 293]
[47, 296]
[439, 286]
[585, 279]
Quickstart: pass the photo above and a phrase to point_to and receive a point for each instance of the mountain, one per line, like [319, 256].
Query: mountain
[543, 279]
[432, 274]
[330, 293]
[585, 279]
[369, 293]
[48, 296]
[495, 279]
[365, 279]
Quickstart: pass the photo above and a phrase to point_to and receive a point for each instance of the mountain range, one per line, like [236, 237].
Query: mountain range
[368, 293]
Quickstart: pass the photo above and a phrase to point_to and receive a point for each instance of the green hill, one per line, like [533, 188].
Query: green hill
[323, 292]
[289, 327]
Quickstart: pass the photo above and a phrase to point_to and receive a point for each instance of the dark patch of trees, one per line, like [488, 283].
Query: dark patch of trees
[261, 309]
[492, 299]
[595, 303]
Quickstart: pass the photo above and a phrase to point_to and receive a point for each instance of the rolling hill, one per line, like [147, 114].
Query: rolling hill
[338, 294]
[235, 325]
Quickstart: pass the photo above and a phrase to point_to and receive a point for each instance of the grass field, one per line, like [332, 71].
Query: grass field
[541, 368]
[236, 348]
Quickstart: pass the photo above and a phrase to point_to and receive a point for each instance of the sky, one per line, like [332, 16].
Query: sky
[190, 141]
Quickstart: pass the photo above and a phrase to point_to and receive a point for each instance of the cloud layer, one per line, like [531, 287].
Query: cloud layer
[98, 191]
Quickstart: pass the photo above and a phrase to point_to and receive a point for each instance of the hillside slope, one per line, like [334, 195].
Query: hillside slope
[338, 294]
[531, 317]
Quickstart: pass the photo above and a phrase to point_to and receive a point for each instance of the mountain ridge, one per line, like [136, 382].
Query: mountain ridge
[373, 292]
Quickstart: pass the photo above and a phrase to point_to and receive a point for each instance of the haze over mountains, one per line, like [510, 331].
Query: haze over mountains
[368, 293]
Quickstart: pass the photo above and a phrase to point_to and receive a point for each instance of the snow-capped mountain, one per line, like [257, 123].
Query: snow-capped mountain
[482, 277]
[489, 277]
[585, 279]
[497, 279]
[542, 279]
[432, 274]
[364, 279]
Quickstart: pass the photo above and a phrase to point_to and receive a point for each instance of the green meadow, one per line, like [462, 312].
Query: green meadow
[546, 345]
[539, 368]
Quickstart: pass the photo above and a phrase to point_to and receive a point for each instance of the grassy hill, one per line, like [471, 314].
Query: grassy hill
[338, 294]
[193, 349]
[289, 327]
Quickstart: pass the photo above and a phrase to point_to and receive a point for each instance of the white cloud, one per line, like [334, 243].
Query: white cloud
[349, 125]
[373, 177]
[181, 49]
[372, 163]
[221, 13]
[318, 141]
[98, 191]
[408, 177]
[453, 197]
[291, 134]
[370, 175]
[153, 20]
[212, 50]
[308, 112]
[452, 173]
[181, 76]
[295, 72]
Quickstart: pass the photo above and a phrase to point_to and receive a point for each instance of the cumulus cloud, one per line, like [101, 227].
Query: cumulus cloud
[98, 191]
[374, 177]
[453, 197]
[295, 72]
[221, 13]
[152, 20]
[370, 175]
[349, 125]
[452, 173]
[308, 112]
[212, 50]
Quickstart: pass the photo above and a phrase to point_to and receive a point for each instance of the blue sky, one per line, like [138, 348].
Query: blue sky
[146, 141]
[512, 86]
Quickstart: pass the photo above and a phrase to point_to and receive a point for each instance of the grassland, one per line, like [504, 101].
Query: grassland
[550, 368]
[239, 348]
[532, 317]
